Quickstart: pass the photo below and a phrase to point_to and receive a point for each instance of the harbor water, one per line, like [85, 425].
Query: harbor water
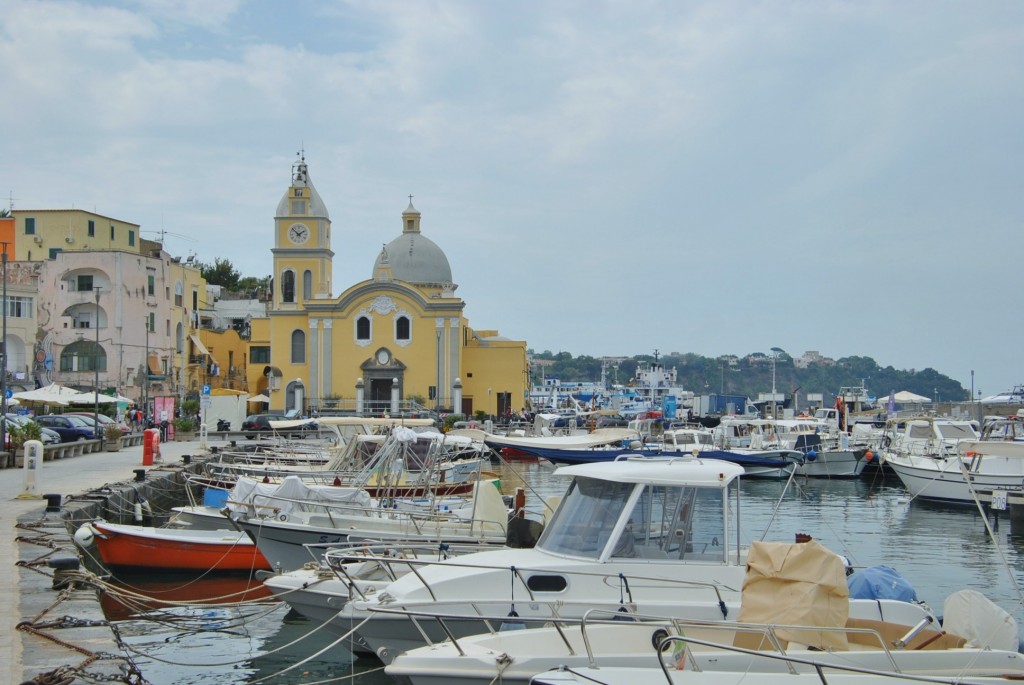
[870, 521]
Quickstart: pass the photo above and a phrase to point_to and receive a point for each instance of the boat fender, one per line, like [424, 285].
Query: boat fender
[811, 455]
[138, 511]
[868, 456]
[85, 535]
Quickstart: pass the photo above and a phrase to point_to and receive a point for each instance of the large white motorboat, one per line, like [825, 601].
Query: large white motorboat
[828, 452]
[983, 465]
[639, 535]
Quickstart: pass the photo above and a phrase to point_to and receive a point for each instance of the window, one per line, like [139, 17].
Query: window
[168, 327]
[111, 231]
[92, 228]
[131, 238]
[403, 328]
[288, 286]
[151, 284]
[298, 192]
[298, 206]
[179, 294]
[307, 284]
[363, 328]
[298, 347]
[30, 225]
[179, 337]
[83, 282]
[259, 355]
[151, 322]
[83, 355]
[20, 307]
[409, 224]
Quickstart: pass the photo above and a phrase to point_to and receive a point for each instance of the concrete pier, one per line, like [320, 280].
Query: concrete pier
[51, 629]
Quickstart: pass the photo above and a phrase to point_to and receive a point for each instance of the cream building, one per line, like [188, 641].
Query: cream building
[109, 306]
[383, 343]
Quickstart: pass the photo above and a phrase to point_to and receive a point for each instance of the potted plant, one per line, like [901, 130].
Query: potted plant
[184, 429]
[19, 435]
[112, 437]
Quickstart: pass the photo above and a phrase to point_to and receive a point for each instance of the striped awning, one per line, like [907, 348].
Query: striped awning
[200, 347]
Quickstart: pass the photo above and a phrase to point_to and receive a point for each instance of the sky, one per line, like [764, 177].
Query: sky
[606, 178]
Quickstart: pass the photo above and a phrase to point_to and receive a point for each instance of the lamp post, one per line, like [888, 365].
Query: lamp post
[145, 381]
[96, 369]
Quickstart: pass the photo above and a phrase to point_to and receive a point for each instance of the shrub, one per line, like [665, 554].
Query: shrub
[111, 432]
[22, 434]
[184, 424]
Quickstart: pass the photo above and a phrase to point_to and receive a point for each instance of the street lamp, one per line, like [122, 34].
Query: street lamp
[145, 380]
[96, 369]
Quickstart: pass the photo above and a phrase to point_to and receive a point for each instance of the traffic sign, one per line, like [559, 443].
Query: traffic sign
[206, 390]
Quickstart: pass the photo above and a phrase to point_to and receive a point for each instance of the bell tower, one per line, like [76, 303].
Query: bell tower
[302, 243]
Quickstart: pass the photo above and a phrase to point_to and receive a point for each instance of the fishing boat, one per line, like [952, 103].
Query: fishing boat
[170, 549]
[641, 535]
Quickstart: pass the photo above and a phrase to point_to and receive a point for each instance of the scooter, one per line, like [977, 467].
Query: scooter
[223, 425]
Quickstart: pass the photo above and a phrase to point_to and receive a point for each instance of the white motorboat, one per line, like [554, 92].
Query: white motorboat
[290, 539]
[828, 452]
[641, 535]
[795, 602]
[983, 465]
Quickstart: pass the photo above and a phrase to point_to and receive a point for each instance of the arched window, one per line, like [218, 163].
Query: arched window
[83, 355]
[307, 284]
[363, 328]
[298, 347]
[403, 328]
[288, 286]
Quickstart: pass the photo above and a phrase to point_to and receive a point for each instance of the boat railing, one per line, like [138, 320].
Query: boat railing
[670, 631]
[617, 582]
[327, 514]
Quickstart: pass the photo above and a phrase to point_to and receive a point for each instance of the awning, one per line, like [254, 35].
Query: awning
[199, 345]
[154, 365]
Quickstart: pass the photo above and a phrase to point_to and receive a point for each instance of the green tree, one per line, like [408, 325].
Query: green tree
[222, 273]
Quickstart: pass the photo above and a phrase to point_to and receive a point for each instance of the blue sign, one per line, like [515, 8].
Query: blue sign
[9, 393]
[206, 390]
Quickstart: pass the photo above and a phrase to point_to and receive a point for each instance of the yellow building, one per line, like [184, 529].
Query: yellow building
[391, 343]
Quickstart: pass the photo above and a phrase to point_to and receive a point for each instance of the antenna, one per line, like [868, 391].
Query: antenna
[11, 199]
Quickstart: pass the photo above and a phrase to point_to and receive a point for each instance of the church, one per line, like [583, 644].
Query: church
[395, 343]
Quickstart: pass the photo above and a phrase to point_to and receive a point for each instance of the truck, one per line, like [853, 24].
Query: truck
[723, 405]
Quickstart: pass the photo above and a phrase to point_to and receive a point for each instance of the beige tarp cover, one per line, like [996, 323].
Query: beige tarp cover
[795, 584]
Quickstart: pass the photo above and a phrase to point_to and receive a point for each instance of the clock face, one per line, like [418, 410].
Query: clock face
[382, 357]
[298, 233]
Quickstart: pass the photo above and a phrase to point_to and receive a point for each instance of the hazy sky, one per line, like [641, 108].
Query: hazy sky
[606, 178]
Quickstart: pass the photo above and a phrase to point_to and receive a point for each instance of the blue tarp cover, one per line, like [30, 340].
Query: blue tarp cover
[880, 582]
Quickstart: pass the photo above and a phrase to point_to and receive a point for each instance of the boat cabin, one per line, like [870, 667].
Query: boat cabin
[683, 509]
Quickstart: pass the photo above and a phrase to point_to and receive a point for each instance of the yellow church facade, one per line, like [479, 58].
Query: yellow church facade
[397, 342]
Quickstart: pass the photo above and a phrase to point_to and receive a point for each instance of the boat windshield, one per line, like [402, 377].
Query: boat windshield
[957, 431]
[672, 522]
[586, 517]
[666, 522]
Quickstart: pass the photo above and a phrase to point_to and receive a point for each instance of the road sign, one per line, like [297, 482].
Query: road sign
[205, 402]
[206, 390]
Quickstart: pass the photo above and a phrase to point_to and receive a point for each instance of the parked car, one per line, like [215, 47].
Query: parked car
[103, 419]
[70, 427]
[261, 422]
[47, 436]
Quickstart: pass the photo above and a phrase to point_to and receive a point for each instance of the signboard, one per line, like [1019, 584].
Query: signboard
[206, 389]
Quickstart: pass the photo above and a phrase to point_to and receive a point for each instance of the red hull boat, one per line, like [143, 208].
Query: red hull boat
[172, 549]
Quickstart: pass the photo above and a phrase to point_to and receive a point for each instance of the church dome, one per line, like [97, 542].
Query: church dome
[412, 257]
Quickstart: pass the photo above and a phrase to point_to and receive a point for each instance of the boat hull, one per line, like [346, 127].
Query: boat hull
[834, 464]
[176, 550]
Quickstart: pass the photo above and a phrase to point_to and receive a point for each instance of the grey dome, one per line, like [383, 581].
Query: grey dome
[413, 257]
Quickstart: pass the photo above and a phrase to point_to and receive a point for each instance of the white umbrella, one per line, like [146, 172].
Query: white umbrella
[259, 398]
[51, 394]
[91, 398]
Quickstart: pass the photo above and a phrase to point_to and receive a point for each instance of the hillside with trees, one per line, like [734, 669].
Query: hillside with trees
[752, 374]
